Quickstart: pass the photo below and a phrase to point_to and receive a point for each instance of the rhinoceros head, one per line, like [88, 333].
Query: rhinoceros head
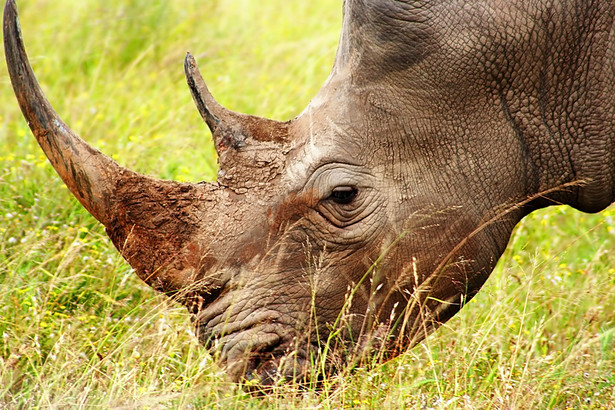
[371, 217]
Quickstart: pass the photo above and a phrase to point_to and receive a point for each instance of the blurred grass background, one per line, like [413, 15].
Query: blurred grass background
[77, 328]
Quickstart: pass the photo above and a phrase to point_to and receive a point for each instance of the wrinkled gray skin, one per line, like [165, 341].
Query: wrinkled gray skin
[441, 125]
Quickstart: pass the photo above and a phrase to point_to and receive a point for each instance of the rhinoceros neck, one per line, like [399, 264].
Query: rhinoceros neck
[569, 144]
[531, 91]
[555, 86]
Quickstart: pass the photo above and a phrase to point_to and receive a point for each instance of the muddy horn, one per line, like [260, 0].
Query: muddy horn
[88, 173]
[152, 222]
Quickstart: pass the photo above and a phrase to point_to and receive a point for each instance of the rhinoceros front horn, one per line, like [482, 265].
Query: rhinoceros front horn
[88, 173]
[160, 227]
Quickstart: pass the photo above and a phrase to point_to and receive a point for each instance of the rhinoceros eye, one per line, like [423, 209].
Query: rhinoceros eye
[343, 195]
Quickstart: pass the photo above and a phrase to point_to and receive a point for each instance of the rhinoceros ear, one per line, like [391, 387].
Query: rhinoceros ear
[230, 130]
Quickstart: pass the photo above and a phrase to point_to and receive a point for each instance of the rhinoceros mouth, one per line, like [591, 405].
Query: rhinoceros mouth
[260, 352]
[255, 346]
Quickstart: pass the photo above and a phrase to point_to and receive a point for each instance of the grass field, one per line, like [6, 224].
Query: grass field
[77, 327]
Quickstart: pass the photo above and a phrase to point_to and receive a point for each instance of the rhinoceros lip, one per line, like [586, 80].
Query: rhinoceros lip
[261, 333]
[249, 352]
[253, 348]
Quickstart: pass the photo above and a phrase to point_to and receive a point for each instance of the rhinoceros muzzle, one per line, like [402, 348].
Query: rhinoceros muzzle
[258, 343]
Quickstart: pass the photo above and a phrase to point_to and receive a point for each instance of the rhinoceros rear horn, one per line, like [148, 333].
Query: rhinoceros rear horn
[230, 129]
